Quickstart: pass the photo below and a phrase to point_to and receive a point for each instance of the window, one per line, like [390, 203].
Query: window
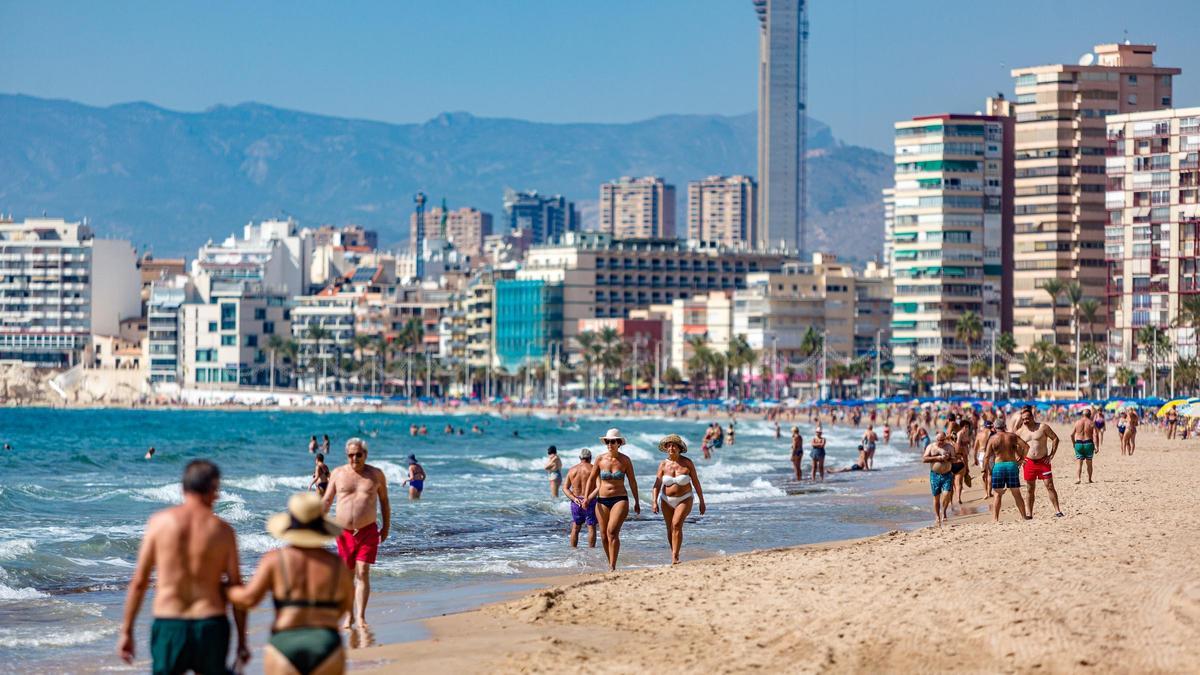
[228, 316]
[251, 340]
[228, 340]
[1133, 80]
[212, 326]
[268, 328]
[260, 313]
[1133, 99]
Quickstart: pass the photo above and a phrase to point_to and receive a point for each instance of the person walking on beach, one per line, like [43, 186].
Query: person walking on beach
[675, 485]
[311, 589]
[607, 487]
[1098, 423]
[797, 452]
[981, 438]
[195, 555]
[1129, 436]
[320, 477]
[818, 455]
[939, 455]
[1004, 452]
[358, 489]
[1083, 437]
[583, 510]
[312, 444]
[1037, 466]
[553, 469]
[869, 439]
[416, 478]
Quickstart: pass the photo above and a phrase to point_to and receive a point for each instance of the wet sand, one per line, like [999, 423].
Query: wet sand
[1112, 587]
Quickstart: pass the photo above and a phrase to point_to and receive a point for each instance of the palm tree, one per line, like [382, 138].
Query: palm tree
[1189, 315]
[1125, 378]
[672, 378]
[969, 330]
[317, 335]
[1157, 344]
[740, 355]
[1074, 294]
[587, 341]
[276, 344]
[947, 372]
[811, 345]
[1006, 345]
[1035, 370]
[1044, 350]
[920, 374]
[1089, 315]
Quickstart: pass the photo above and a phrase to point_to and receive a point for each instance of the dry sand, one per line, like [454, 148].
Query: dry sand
[1112, 587]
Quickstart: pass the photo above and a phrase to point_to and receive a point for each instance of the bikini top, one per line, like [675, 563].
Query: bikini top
[612, 475]
[304, 602]
[682, 479]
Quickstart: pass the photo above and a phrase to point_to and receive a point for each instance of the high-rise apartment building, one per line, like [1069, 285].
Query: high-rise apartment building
[1152, 242]
[889, 227]
[724, 210]
[782, 122]
[951, 224]
[546, 218]
[464, 228]
[1060, 212]
[638, 208]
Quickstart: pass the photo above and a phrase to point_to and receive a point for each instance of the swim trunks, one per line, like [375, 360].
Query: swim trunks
[361, 544]
[1036, 469]
[180, 645]
[870, 447]
[1005, 475]
[1084, 449]
[941, 482]
[580, 515]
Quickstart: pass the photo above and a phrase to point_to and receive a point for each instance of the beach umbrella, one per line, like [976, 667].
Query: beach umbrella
[1171, 405]
[1113, 405]
[1189, 409]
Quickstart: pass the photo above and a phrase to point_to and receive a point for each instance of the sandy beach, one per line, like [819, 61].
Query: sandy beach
[1112, 587]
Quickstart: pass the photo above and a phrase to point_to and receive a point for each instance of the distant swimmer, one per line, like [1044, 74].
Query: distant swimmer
[939, 455]
[149, 453]
[1004, 452]
[424, 430]
[320, 477]
[675, 486]
[607, 486]
[797, 452]
[1038, 461]
[449, 429]
[475, 429]
[325, 443]
[195, 556]
[583, 510]
[778, 432]
[553, 468]
[1083, 436]
[416, 478]
[312, 444]
[413, 430]
[818, 454]
[7, 446]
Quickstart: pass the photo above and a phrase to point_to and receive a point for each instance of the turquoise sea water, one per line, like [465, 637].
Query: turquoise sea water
[75, 492]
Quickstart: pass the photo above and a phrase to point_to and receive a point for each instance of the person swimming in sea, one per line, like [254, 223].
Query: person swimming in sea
[416, 478]
[149, 453]
[312, 444]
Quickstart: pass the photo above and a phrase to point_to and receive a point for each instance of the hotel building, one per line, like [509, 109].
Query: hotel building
[723, 210]
[637, 208]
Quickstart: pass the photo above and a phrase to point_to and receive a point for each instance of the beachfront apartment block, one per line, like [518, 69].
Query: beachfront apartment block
[723, 210]
[463, 228]
[225, 328]
[271, 254]
[604, 277]
[59, 285]
[163, 313]
[1060, 184]
[1152, 240]
[545, 217]
[951, 221]
[322, 326]
[889, 227]
[528, 322]
[637, 208]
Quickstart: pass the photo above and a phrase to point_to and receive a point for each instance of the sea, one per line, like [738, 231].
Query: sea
[75, 493]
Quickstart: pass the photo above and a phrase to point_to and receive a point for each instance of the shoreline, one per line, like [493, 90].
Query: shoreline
[1109, 588]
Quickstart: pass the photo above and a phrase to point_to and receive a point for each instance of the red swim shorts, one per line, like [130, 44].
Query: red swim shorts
[1037, 469]
[361, 544]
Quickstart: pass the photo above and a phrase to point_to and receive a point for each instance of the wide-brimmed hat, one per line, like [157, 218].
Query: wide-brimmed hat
[412, 459]
[304, 523]
[672, 438]
[613, 434]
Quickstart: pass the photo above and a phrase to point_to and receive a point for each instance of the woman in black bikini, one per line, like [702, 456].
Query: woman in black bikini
[797, 452]
[606, 485]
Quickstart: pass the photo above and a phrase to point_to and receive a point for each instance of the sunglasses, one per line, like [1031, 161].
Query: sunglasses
[612, 441]
[355, 455]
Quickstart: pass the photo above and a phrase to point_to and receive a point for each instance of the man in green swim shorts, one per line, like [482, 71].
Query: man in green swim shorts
[1083, 435]
[194, 553]
[1005, 451]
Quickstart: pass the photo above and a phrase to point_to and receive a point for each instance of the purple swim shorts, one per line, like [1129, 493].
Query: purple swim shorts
[580, 514]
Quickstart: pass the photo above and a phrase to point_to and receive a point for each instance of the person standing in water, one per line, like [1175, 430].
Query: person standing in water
[583, 510]
[359, 489]
[818, 455]
[416, 478]
[797, 453]
[311, 589]
[607, 487]
[320, 477]
[312, 444]
[553, 467]
[325, 443]
[674, 485]
[869, 439]
[195, 555]
[150, 453]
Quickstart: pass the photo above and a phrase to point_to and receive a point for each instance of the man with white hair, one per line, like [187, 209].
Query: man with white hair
[358, 487]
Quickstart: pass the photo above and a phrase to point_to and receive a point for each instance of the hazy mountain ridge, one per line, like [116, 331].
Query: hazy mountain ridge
[172, 180]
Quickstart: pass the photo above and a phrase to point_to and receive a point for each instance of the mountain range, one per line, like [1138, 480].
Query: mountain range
[169, 180]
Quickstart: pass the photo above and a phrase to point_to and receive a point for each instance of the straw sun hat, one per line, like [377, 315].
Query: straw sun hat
[672, 438]
[613, 434]
[303, 524]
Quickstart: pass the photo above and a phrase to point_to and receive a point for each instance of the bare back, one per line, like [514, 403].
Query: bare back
[357, 495]
[577, 479]
[1006, 447]
[1084, 430]
[192, 551]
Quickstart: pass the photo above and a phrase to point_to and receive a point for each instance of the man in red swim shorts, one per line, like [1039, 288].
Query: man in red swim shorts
[358, 487]
[1043, 445]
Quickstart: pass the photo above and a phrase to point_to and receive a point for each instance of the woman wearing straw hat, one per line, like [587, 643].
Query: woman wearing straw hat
[311, 588]
[606, 485]
[674, 486]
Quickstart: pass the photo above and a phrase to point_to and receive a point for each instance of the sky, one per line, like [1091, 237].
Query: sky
[871, 62]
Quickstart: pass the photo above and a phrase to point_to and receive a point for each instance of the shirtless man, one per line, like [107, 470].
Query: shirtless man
[1038, 461]
[870, 438]
[962, 466]
[1083, 436]
[1005, 451]
[358, 487]
[195, 554]
[981, 438]
[938, 456]
[581, 510]
[1129, 437]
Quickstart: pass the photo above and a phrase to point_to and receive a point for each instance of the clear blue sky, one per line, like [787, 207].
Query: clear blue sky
[871, 61]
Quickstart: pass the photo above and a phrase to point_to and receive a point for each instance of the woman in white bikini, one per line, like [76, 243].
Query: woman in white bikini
[674, 487]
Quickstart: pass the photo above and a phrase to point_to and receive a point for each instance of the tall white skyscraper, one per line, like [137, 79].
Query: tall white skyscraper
[782, 97]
